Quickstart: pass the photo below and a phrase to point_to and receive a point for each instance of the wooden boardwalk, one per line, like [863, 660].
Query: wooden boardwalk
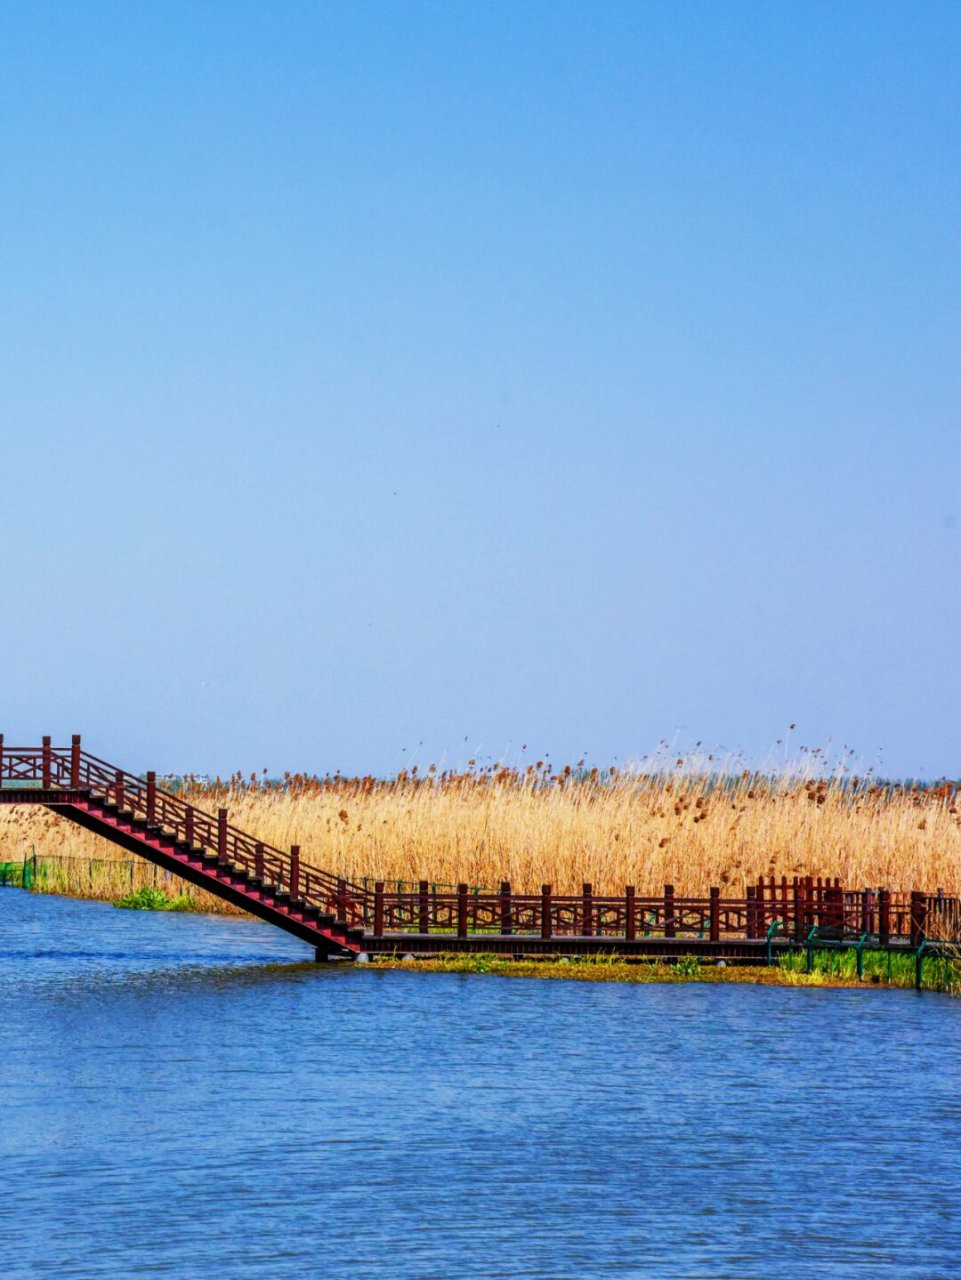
[341, 918]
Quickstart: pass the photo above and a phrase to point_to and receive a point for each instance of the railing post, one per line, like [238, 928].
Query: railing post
[546, 921]
[884, 917]
[189, 825]
[798, 911]
[75, 761]
[462, 911]
[342, 899]
[587, 910]
[118, 789]
[630, 913]
[759, 908]
[507, 923]
[222, 835]
[46, 762]
[259, 861]
[1, 759]
[151, 796]
[919, 913]
[715, 914]
[669, 924]
[295, 871]
[423, 896]
[379, 909]
[751, 911]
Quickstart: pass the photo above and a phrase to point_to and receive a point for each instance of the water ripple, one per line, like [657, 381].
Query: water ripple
[185, 1096]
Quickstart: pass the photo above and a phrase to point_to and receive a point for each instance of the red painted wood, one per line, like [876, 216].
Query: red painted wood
[546, 909]
[294, 871]
[506, 918]
[670, 929]
[919, 913]
[751, 911]
[379, 909]
[462, 891]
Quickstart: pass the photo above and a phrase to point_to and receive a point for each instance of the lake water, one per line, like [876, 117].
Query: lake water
[183, 1096]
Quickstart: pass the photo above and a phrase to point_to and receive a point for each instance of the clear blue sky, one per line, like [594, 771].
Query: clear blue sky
[419, 380]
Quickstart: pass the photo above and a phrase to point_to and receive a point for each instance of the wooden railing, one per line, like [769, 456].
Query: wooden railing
[794, 907]
[50, 768]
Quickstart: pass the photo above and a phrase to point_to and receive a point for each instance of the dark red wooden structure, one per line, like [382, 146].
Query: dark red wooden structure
[342, 918]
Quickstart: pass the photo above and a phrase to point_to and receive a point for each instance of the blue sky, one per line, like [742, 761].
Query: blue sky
[391, 381]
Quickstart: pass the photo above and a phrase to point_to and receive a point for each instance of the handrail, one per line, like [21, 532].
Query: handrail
[73, 768]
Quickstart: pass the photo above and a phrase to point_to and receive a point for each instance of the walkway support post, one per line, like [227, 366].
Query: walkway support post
[507, 923]
[546, 922]
[462, 910]
[630, 913]
[47, 762]
[715, 914]
[75, 761]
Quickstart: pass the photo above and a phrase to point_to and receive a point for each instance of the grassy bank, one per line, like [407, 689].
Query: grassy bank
[105, 879]
[828, 971]
[563, 827]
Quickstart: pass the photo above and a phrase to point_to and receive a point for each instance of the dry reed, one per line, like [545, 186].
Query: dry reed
[488, 825]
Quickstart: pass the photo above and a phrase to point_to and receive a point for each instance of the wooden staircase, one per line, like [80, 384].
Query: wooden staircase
[203, 849]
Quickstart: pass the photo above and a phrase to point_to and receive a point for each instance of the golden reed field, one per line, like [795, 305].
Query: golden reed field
[564, 827]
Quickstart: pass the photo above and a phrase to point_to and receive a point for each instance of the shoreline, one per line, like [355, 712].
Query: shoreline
[590, 970]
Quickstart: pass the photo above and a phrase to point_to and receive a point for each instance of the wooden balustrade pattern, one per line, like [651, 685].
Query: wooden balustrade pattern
[796, 906]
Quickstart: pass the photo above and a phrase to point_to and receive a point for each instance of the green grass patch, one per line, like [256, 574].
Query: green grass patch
[149, 899]
[938, 972]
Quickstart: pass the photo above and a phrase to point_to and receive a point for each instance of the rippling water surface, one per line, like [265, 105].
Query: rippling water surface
[185, 1096]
